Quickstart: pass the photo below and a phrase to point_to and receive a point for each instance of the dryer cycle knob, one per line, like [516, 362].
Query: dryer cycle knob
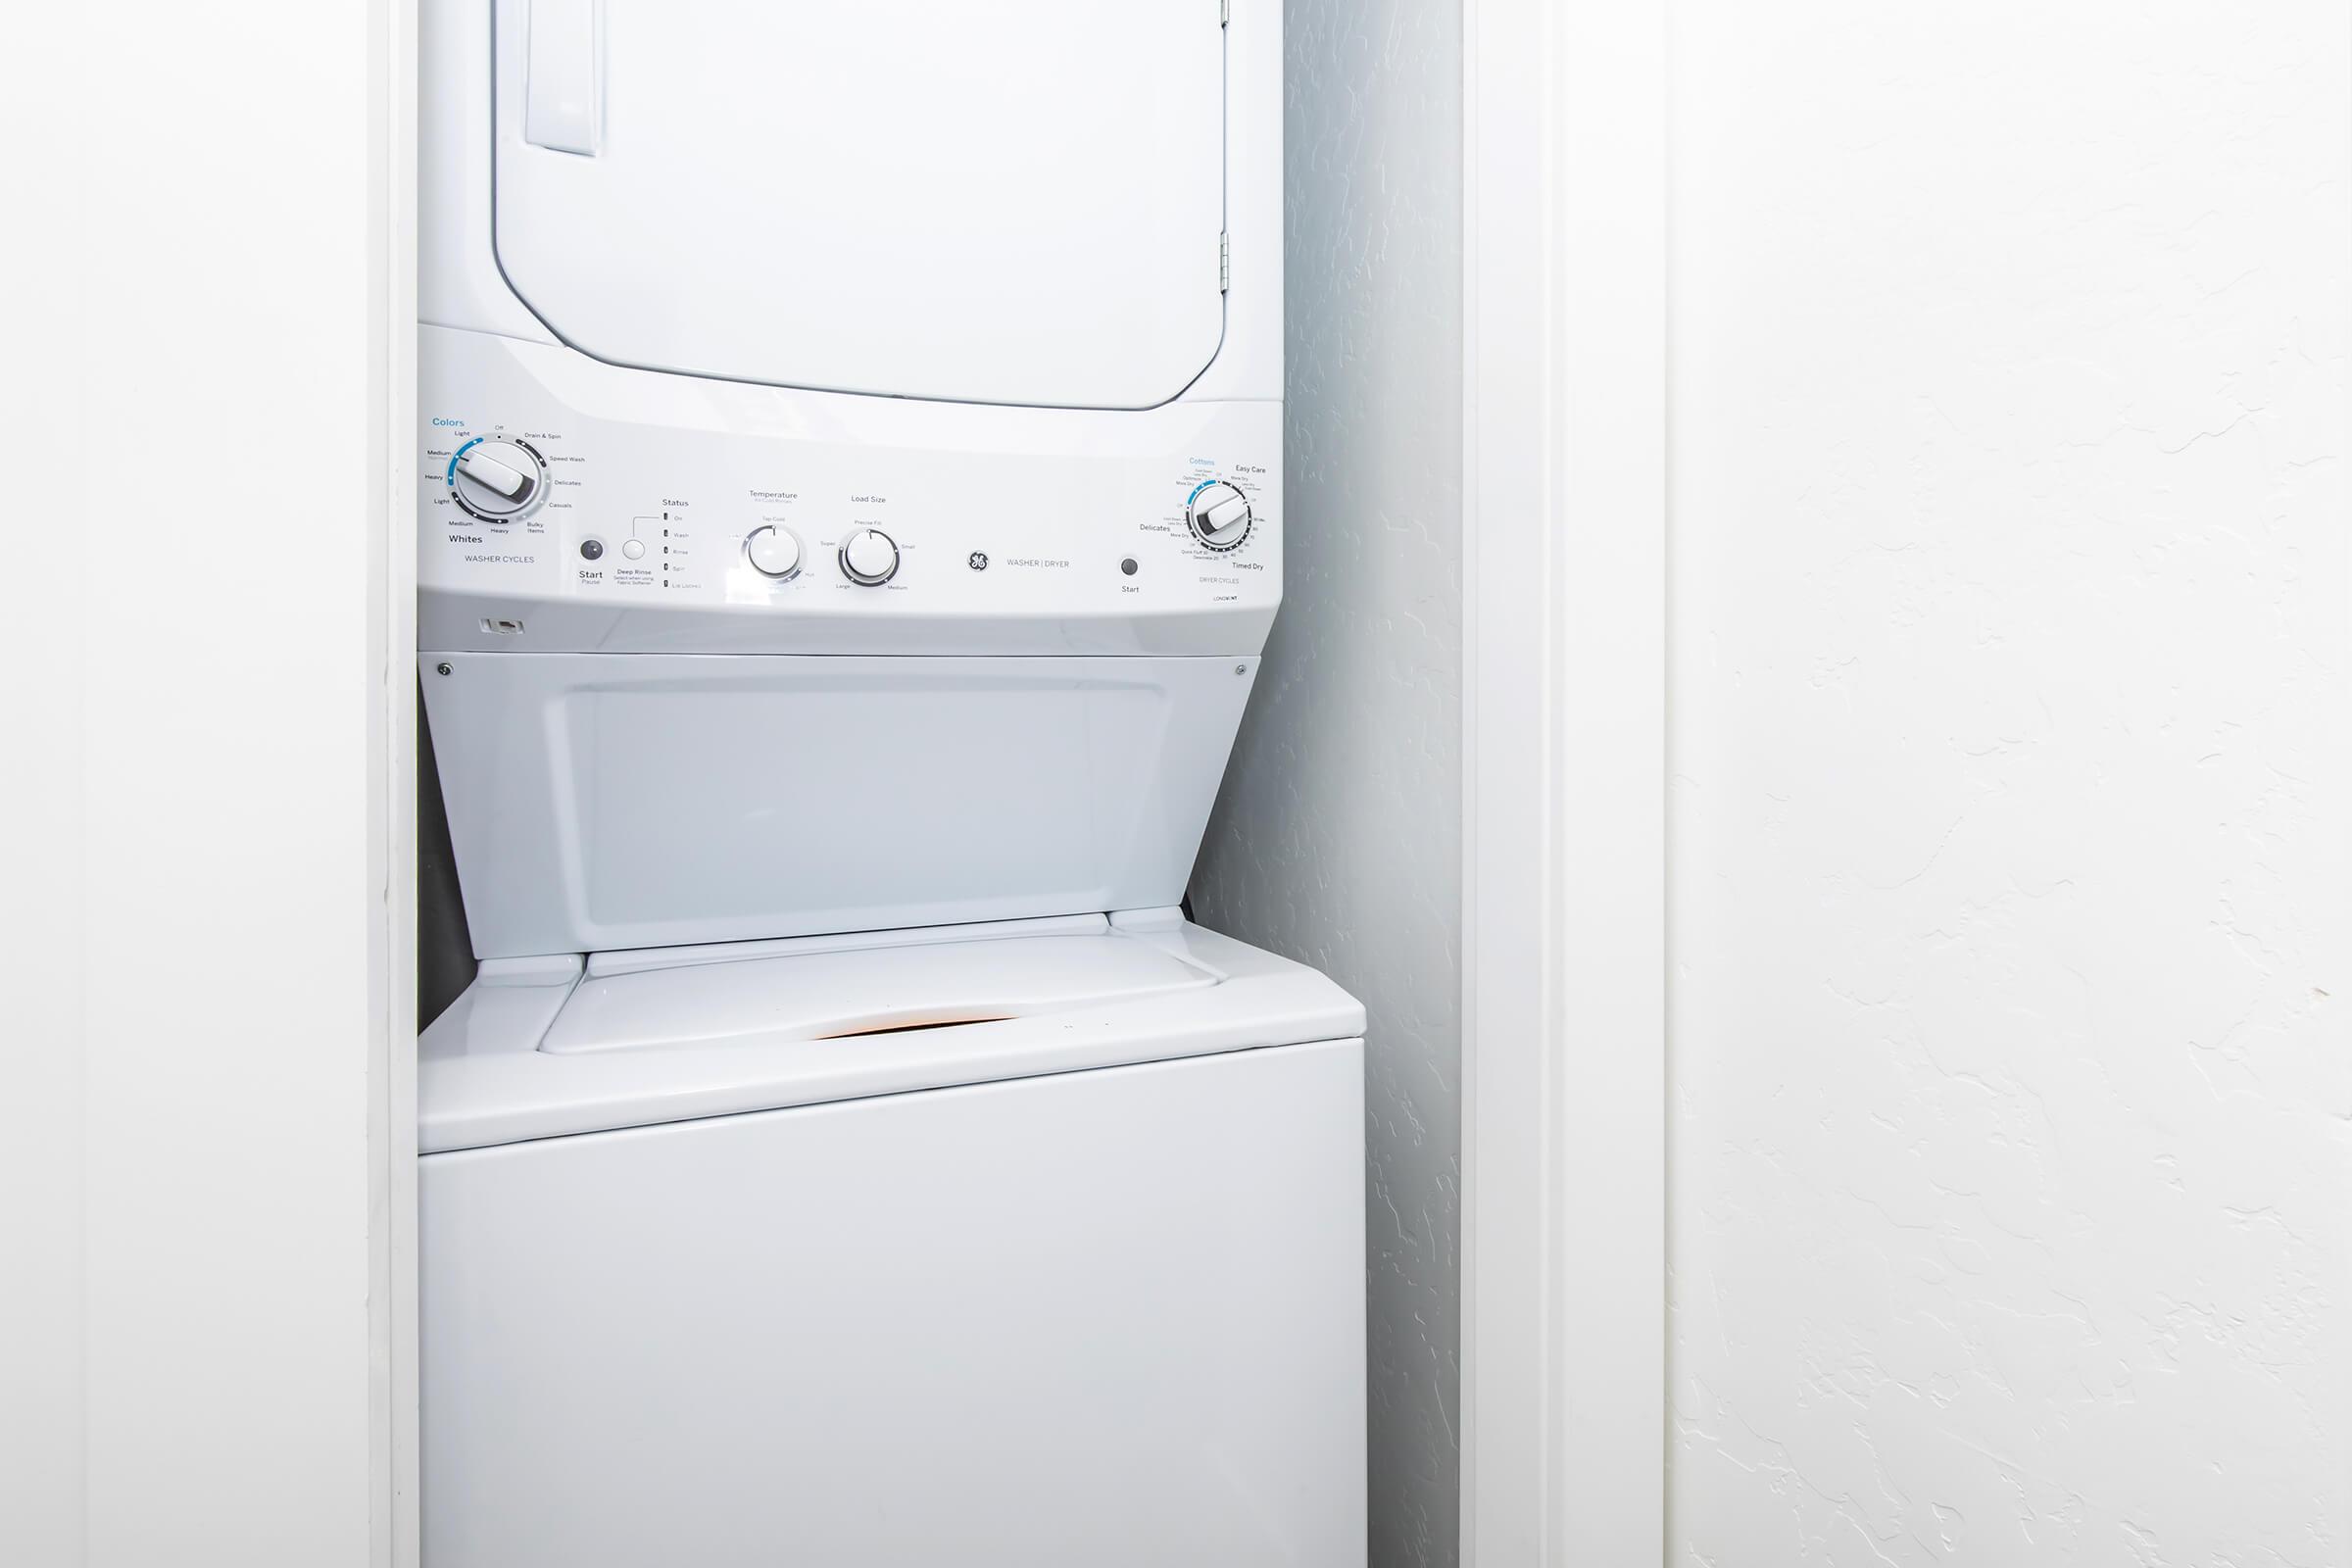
[497, 481]
[1218, 514]
[773, 553]
[869, 557]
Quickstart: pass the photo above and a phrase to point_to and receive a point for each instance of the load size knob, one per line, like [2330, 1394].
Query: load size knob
[870, 557]
[1218, 516]
[497, 481]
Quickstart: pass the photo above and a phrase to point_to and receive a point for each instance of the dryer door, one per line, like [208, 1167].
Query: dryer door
[918, 198]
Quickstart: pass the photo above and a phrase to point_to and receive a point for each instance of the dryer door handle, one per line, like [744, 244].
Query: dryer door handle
[563, 103]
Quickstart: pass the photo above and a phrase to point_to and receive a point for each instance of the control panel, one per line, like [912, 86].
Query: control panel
[615, 521]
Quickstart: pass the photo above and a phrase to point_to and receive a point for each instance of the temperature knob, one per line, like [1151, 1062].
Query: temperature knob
[1218, 516]
[773, 553]
[870, 557]
[497, 481]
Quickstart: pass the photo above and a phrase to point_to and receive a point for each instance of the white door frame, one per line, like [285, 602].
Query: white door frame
[393, 1536]
[1564, 841]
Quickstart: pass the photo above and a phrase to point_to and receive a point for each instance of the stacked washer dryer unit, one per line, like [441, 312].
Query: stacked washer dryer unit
[851, 523]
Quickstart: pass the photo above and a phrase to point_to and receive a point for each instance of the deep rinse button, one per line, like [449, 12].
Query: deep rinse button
[1219, 515]
[497, 481]
[869, 557]
[773, 553]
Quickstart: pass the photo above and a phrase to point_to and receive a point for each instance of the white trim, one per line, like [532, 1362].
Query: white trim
[391, 591]
[1564, 227]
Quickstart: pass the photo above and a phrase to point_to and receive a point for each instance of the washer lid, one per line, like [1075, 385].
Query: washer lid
[861, 993]
[550, 1046]
[919, 198]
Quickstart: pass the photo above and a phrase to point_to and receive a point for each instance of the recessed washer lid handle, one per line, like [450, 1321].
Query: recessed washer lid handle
[828, 996]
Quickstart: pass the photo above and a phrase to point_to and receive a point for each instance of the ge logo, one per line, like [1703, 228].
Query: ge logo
[978, 560]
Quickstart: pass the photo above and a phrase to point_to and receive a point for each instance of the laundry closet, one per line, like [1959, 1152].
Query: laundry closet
[853, 520]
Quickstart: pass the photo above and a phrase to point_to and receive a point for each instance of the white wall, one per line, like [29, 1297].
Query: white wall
[2012, 1214]
[185, 1022]
[1337, 839]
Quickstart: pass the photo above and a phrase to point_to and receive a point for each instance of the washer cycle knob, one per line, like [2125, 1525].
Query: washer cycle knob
[773, 553]
[870, 557]
[1218, 516]
[497, 481]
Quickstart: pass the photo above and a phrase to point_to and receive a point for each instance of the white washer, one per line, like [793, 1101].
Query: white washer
[851, 518]
[1081, 1287]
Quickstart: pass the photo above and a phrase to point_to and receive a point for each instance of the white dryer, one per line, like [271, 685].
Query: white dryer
[851, 522]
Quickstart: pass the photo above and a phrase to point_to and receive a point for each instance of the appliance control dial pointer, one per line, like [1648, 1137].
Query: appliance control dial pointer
[869, 557]
[1219, 515]
[497, 481]
[773, 553]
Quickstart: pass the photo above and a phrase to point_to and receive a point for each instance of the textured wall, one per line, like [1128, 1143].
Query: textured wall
[1338, 840]
[2012, 1169]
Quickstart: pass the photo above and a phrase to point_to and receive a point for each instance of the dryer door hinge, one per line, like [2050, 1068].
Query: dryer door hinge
[1224, 263]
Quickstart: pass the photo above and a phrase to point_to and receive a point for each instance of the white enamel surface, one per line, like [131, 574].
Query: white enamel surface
[608, 800]
[2012, 895]
[1050, 502]
[483, 1078]
[459, 284]
[1108, 1317]
[913, 198]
